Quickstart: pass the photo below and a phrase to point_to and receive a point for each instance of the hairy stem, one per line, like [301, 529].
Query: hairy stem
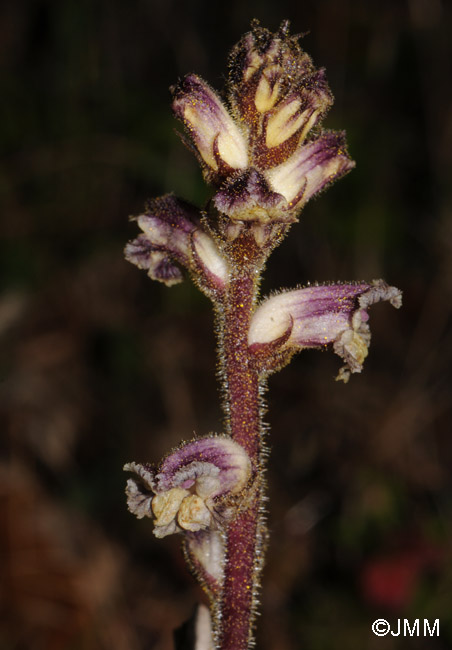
[242, 405]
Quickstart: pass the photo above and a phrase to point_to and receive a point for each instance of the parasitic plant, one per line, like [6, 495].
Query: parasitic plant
[265, 155]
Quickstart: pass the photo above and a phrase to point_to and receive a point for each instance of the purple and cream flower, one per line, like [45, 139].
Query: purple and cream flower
[311, 169]
[218, 139]
[173, 236]
[196, 490]
[189, 491]
[317, 316]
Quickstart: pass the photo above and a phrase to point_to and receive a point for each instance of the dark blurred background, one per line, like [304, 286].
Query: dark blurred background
[100, 366]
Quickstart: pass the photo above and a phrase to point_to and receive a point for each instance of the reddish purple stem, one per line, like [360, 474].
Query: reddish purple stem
[243, 410]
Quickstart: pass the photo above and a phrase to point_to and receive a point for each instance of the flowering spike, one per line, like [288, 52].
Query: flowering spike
[318, 316]
[266, 155]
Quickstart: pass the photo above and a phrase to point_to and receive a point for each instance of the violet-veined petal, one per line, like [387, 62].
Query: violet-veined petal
[310, 169]
[217, 137]
[218, 456]
[184, 493]
[318, 316]
[173, 236]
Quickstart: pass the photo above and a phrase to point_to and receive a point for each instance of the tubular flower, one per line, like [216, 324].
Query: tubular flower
[311, 168]
[196, 491]
[260, 153]
[319, 316]
[173, 236]
[218, 140]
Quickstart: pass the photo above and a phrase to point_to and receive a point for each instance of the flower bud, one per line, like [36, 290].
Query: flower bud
[263, 68]
[319, 316]
[268, 87]
[298, 112]
[208, 260]
[284, 122]
[275, 89]
[218, 139]
[248, 197]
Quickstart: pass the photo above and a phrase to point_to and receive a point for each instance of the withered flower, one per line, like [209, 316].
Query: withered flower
[187, 492]
[195, 491]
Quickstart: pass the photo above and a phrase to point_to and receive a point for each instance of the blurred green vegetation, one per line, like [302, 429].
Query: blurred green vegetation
[99, 366]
